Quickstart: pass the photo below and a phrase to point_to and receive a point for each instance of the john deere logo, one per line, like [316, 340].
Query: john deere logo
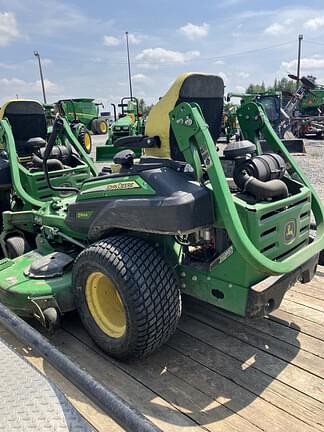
[290, 231]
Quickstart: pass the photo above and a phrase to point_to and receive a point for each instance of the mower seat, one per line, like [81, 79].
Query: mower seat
[205, 90]
[28, 123]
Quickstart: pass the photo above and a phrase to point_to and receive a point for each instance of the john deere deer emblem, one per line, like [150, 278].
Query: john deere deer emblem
[290, 231]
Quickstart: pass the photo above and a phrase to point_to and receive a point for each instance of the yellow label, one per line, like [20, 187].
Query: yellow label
[123, 185]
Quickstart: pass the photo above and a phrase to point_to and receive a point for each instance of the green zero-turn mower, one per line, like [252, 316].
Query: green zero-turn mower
[230, 229]
[128, 123]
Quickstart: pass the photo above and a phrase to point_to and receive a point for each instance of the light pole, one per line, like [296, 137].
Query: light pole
[36, 54]
[129, 68]
[300, 38]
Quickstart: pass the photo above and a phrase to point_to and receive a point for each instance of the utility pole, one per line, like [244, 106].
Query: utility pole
[36, 54]
[129, 68]
[300, 38]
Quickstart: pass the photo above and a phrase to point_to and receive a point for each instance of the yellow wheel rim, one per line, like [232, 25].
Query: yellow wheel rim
[87, 141]
[105, 305]
[103, 127]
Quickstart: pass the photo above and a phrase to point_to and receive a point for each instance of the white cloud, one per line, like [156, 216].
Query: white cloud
[46, 61]
[50, 86]
[140, 78]
[192, 31]
[111, 41]
[8, 28]
[314, 23]
[219, 62]
[224, 77]
[239, 89]
[135, 39]
[275, 29]
[243, 75]
[151, 57]
[306, 63]
[27, 88]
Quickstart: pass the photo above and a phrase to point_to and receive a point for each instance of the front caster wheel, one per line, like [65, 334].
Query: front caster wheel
[126, 295]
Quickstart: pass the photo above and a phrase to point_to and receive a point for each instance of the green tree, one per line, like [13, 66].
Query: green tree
[284, 85]
[143, 107]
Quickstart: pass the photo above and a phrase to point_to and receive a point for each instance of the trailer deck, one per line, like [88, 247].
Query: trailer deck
[219, 372]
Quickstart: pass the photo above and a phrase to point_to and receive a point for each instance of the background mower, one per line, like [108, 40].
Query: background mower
[83, 116]
[127, 123]
[230, 229]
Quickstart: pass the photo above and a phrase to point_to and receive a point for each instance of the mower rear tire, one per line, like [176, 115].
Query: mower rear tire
[17, 246]
[84, 139]
[126, 295]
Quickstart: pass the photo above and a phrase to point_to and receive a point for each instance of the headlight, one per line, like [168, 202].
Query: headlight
[117, 128]
[125, 128]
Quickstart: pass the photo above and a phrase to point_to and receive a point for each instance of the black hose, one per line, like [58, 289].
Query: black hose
[261, 176]
[52, 164]
[125, 415]
[263, 190]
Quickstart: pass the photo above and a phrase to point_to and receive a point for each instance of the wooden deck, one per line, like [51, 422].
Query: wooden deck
[218, 373]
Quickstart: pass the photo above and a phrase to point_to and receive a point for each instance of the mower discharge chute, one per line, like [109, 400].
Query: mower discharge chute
[231, 229]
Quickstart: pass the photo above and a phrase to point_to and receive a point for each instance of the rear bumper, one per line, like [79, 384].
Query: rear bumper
[267, 295]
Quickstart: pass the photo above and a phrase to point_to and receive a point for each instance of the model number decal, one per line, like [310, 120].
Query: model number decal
[123, 185]
[84, 214]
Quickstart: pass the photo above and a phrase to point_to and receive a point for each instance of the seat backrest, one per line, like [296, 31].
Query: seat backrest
[205, 90]
[27, 120]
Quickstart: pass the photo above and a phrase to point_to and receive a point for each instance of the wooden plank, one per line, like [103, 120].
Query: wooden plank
[146, 400]
[91, 412]
[181, 362]
[312, 291]
[292, 408]
[280, 325]
[298, 323]
[290, 353]
[306, 300]
[302, 311]
[154, 373]
[278, 369]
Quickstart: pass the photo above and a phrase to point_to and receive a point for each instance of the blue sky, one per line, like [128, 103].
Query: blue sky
[82, 44]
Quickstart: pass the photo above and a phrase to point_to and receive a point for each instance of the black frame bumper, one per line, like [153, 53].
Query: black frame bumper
[267, 295]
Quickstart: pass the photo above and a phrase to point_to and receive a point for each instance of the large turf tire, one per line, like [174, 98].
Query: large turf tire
[84, 139]
[17, 246]
[99, 126]
[146, 287]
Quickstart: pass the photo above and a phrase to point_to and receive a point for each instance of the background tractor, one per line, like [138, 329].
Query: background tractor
[306, 108]
[129, 122]
[278, 118]
[85, 111]
[230, 228]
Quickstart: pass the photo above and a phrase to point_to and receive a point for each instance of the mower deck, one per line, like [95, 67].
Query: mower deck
[219, 371]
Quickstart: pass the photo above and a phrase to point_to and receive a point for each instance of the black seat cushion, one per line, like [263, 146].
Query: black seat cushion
[27, 120]
[208, 92]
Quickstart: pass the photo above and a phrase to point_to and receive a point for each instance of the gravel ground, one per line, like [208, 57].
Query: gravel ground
[312, 164]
